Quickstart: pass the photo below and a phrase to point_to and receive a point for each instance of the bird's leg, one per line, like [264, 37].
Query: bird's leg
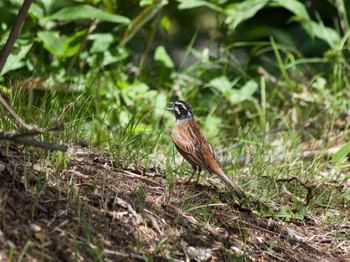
[199, 172]
[193, 173]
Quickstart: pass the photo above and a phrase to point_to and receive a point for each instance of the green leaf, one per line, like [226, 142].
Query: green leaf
[327, 34]
[300, 12]
[221, 83]
[341, 153]
[60, 45]
[16, 60]
[139, 21]
[346, 195]
[101, 42]
[212, 124]
[72, 44]
[189, 4]
[165, 23]
[88, 12]
[162, 56]
[52, 42]
[237, 13]
[285, 213]
[160, 102]
[36, 11]
[133, 92]
[240, 95]
[146, 2]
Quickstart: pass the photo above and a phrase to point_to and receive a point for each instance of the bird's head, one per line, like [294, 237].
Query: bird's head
[181, 110]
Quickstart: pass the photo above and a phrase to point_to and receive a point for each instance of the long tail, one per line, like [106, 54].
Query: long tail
[230, 184]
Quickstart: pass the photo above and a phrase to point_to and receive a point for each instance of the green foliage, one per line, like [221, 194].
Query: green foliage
[92, 48]
[268, 81]
[108, 68]
[341, 153]
[87, 12]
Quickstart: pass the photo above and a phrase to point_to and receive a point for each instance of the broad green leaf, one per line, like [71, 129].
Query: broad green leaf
[221, 83]
[165, 23]
[240, 95]
[88, 12]
[162, 56]
[124, 118]
[72, 44]
[327, 34]
[237, 13]
[53, 42]
[281, 35]
[47, 4]
[133, 92]
[160, 102]
[16, 60]
[212, 124]
[109, 58]
[101, 42]
[341, 153]
[36, 11]
[300, 12]
[146, 2]
[189, 4]
[60, 45]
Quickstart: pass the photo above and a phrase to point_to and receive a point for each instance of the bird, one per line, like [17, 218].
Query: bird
[194, 146]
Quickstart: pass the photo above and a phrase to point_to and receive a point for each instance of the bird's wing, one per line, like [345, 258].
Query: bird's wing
[213, 154]
[190, 151]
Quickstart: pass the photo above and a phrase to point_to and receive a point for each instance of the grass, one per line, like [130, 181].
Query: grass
[276, 145]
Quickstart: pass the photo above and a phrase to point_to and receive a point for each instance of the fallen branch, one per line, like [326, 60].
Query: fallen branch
[126, 205]
[309, 188]
[21, 138]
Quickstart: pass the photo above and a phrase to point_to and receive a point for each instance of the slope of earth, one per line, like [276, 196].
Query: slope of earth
[90, 209]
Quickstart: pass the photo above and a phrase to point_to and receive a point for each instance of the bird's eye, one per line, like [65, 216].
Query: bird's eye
[183, 107]
[177, 110]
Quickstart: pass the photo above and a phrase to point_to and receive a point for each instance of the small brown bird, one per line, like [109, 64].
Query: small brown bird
[195, 147]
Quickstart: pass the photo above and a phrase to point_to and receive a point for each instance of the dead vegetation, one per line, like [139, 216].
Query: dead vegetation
[88, 209]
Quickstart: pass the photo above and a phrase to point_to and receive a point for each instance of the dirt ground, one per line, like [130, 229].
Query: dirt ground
[90, 209]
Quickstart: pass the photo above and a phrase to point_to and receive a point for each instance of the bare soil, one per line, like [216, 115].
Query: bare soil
[91, 209]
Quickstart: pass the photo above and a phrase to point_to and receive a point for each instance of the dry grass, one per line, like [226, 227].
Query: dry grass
[89, 209]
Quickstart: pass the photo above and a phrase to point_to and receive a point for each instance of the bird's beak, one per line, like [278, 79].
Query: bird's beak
[171, 109]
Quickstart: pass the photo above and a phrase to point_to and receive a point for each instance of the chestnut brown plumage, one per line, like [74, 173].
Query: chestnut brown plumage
[193, 145]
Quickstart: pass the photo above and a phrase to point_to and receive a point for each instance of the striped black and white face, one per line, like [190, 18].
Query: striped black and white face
[181, 110]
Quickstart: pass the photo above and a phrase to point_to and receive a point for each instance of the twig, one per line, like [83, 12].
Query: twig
[154, 223]
[282, 235]
[21, 138]
[275, 256]
[44, 145]
[132, 174]
[15, 116]
[13, 135]
[127, 206]
[14, 32]
[83, 44]
[309, 188]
